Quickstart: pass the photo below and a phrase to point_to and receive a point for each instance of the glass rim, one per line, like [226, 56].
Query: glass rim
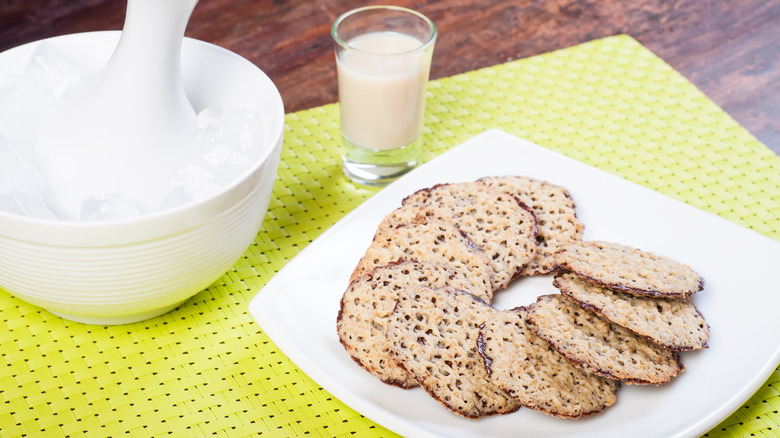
[424, 46]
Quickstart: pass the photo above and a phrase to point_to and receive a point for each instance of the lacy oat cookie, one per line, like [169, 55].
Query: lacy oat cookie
[628, 269]
[504, 228]
[370, 299]
[555, 214]
[673, 323]
[433, 335]
[430, 240]
[530, 371]
[599, 346]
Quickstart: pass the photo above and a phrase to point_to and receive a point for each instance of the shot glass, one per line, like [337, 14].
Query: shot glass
[383, 59]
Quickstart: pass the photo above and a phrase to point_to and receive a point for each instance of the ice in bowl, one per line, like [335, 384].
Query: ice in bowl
[106, 215]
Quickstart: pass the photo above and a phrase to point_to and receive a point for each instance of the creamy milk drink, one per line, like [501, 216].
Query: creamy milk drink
[382, 89]
[383, 56]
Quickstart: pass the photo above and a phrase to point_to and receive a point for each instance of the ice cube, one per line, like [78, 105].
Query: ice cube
[194, 181]
[20, 184]
[53, 69]
[228, 141]
[25, 204]
[229, 136]
[108, 206]
[16, 173]
[23, 106]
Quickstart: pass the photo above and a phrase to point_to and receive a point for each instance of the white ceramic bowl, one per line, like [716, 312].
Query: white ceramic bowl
[122, 271]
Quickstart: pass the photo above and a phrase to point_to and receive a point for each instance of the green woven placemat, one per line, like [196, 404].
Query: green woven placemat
[208, 368]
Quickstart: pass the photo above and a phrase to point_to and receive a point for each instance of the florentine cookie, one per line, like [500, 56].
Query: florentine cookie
[555, 215]
[501, 226]
[430, 240]
[369, 300]
[627, 269]
[404, 215]
[599, 346]
[673, 323]
[537, 376]
[433, 335]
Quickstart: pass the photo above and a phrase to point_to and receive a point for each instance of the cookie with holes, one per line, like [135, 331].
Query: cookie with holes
[599, 346]
[673, 323]
[530, 371]
[430, 240]
[432, 333]
[623, 268]
[370, 299]
[499, 224]
[555, 212]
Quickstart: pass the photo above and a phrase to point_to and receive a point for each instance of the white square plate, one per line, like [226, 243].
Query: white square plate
[298, 307]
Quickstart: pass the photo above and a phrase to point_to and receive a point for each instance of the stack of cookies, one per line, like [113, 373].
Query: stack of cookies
[417, 310]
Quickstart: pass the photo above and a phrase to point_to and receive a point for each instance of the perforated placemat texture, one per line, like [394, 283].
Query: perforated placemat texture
[208, 369]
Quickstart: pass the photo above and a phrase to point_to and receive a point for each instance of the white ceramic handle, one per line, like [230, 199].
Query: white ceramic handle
[124, 130]
[149, 50]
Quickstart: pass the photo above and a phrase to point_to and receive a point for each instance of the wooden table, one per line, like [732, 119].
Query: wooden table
[729, 49]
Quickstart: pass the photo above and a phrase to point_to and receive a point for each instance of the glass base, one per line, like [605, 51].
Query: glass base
[377, 167]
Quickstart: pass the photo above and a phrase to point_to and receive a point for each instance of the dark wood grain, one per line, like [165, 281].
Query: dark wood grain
[729, 49]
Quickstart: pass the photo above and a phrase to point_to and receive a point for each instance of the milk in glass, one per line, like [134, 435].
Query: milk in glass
[382, 89]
